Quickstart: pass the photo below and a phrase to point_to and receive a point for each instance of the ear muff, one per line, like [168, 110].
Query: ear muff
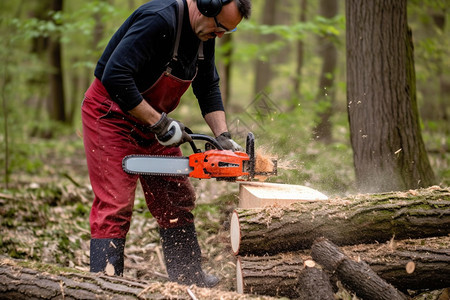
[211, 8]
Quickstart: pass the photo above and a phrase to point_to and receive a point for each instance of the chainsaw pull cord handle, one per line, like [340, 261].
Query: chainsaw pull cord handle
[207, 138]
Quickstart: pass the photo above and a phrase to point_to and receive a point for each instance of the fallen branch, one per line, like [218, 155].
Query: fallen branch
[357, 276]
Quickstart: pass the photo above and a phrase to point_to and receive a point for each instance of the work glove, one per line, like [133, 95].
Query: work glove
[227, 143]
[169, 132]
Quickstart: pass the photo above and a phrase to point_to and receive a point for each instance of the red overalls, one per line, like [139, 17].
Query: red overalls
[109, 135]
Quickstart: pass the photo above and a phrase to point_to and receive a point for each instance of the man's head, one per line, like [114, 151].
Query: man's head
[214, 18]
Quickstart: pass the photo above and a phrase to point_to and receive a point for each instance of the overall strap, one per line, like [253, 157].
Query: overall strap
[177, 39]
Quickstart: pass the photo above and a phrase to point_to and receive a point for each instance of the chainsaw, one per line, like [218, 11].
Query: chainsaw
[214, 162]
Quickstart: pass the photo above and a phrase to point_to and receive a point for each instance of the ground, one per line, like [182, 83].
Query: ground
[44, 217]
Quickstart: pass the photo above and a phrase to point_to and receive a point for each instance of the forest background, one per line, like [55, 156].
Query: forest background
[283, 78]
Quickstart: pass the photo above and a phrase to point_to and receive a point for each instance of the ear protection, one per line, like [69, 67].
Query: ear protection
[211, 8]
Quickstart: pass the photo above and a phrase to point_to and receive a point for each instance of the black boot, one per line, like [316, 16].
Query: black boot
[182, 255]
[104, 251]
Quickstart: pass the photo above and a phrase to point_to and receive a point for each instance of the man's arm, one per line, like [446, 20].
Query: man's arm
[145, 113]
[217, 122]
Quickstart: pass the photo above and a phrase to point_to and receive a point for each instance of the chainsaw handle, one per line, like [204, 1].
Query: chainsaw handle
[203, 137]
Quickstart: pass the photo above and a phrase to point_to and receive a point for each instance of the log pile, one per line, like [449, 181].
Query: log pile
[375, 244]
[25, 280]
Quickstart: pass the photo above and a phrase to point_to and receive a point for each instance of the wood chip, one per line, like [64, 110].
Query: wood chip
[410, 267]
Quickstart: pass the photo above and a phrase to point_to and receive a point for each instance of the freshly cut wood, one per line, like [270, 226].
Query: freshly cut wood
[353, 220]
[42, 281]
[260, 194]
[282, 275]
[357, 276]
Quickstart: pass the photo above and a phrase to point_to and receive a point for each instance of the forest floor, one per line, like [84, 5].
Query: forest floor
[45, 218]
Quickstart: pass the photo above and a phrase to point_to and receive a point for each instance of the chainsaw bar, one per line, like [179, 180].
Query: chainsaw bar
[156, 165]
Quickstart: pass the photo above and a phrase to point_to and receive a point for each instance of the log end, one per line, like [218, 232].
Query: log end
[235, 233]
[239, 278]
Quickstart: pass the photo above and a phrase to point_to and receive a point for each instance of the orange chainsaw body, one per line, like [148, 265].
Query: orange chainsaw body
[218, 163]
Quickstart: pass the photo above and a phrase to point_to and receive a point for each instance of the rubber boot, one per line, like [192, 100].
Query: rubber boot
[107, 251]
[182, 256]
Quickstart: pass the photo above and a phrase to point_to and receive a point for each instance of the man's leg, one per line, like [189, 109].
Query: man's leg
[171, 200]
[106, 143]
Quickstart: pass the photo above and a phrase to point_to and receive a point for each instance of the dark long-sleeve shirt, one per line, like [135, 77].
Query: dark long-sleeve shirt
[139, 51]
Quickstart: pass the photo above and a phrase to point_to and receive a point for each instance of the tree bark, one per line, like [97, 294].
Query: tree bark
[348, 221]
[356, 276]
[388, 149]
[282, 275]
[18, 281]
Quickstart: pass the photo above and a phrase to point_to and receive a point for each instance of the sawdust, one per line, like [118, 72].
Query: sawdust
[263, 164]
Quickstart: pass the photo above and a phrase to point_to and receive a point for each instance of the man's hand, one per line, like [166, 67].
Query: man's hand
[169, 132]
[227, 142]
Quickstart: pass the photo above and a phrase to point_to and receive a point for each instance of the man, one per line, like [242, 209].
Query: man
[148, 64]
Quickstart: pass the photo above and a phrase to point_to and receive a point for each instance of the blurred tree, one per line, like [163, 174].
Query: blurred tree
[388, 149]
[263, 69]
[56, 106]
[224, 66]
[326, 92]
[300, 55]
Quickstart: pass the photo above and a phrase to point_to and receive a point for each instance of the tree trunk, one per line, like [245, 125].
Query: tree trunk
[356, 276]
[388, 149]
[57, 101]
[300, 58]
[19, 280]
[348, 221]
[263, 70]
[225, 65]
[326, 93]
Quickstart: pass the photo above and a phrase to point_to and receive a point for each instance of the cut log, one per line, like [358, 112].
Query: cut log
[260, 194]
[357, 276]
[409, 264]
[41, 281]
[282, 275]
[275, 276]
[353, 220]
[431, 258]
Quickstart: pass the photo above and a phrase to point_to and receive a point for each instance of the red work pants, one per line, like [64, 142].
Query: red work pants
[109, 135]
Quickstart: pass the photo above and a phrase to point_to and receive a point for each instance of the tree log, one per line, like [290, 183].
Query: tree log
[356, 276]
[431, 258]
[19, 280]
[282, 275]
[352, 220]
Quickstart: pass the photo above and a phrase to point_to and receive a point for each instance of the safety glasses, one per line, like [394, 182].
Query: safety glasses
[222, 29]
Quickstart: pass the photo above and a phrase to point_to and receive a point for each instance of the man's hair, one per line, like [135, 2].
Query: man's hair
[244, 7]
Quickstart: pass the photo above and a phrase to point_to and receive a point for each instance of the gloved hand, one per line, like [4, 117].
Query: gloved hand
[170, 132]
[227, 142]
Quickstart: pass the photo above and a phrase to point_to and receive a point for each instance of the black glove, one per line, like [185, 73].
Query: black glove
[227, 142]
[170, 132]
